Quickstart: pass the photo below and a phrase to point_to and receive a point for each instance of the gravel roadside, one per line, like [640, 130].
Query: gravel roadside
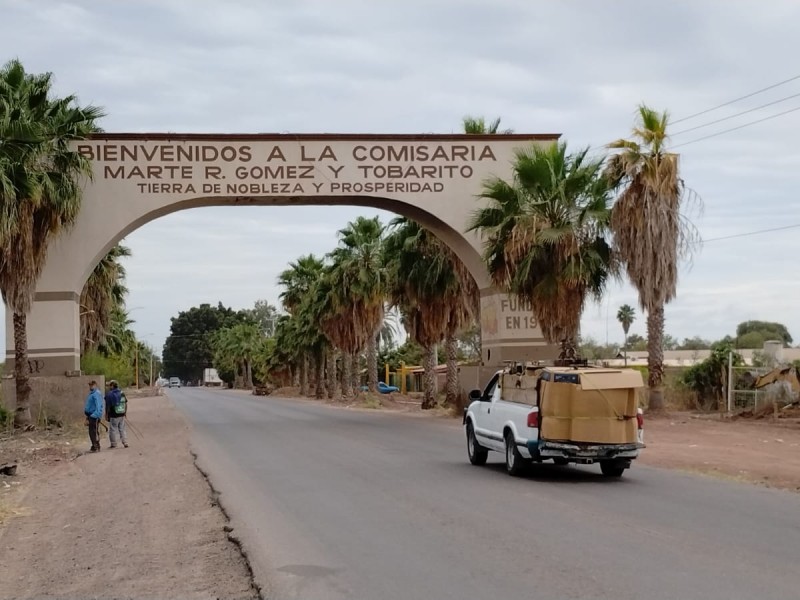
[137, 522]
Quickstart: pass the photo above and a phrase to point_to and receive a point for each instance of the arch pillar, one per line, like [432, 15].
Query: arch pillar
[53, 335]
[509, 331]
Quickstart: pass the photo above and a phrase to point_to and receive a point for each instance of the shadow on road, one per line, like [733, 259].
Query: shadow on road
[550, 473]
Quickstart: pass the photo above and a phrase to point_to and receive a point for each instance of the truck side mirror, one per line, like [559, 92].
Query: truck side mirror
[475, 395]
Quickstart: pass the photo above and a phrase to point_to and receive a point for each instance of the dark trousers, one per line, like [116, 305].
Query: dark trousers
[93, 423]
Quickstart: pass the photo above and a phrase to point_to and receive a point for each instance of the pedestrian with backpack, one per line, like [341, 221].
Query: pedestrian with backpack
[116, 409]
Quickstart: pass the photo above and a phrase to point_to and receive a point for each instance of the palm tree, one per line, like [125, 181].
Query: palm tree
[545, 237]
[478, 125]
[40, 193]
[103, 291]
[297, 282]
[359, 290]
[626, 315]
[435, 295]
[236, 348]
[650, 234]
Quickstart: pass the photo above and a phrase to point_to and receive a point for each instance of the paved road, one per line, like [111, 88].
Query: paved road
[333, 503]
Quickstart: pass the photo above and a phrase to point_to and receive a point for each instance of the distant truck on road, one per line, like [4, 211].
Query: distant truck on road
[565, 414]
[211, 378]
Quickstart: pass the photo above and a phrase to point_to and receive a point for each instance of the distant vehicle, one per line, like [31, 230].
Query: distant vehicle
[564, 414]
[211, 378]
[174, 382]
[382, 388]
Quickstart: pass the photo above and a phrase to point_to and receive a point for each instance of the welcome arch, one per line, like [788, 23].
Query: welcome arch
[434, 179]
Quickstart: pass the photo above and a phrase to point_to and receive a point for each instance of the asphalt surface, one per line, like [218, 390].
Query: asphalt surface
[337, 503]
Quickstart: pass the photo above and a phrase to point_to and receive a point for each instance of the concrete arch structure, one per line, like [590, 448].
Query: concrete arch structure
[434, 179]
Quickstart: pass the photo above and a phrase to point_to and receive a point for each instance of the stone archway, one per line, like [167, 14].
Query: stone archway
[434, 179]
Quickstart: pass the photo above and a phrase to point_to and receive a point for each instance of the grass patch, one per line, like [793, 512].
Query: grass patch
[372, 402]
[8, 511]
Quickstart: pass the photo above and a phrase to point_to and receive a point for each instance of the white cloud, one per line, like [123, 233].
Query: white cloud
[419, 66]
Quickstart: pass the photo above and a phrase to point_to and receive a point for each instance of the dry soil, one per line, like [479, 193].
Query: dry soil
[137, 522]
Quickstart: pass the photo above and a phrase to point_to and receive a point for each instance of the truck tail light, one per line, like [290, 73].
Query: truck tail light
[533, 419]
[640, 420]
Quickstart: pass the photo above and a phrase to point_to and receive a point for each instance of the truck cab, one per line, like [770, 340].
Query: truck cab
[564, 414]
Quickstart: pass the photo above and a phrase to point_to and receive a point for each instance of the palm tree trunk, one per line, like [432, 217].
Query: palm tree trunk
[295, 369]
[355, 381]
[248, 375]
[334, 390]
[429, 364]
[320, 391]
[655, 358]
[372, 364]
[347, 368]
[22, 415]
[569, 350]
[451, 387]
[625, 350]
[304, 375]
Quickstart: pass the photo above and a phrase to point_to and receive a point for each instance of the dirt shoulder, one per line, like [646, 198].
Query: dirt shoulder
[137, 522]
[754, 451]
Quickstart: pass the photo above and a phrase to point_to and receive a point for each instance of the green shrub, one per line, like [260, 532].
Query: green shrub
[6, 417]
[112, 367]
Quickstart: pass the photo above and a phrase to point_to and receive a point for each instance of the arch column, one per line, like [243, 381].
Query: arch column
[53, 334]
[509, 331]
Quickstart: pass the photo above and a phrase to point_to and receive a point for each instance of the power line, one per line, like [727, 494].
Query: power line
[748, 233]
[592, 151]
[775, 116]
[739, 114]
[729, 102]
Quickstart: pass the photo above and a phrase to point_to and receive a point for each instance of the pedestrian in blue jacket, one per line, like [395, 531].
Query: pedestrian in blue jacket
[93, 409]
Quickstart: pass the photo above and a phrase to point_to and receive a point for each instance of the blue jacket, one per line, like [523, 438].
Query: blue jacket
[94, 405]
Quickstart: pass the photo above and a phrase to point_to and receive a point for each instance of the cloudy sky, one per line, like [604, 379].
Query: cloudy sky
[410, 66]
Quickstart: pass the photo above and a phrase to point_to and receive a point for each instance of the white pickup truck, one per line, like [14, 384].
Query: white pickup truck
[564, 414]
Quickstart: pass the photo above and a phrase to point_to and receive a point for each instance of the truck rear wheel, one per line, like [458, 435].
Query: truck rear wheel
[515, 462]
[477, 453]
[611, 468]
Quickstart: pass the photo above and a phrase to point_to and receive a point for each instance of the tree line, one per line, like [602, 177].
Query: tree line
[554, 234]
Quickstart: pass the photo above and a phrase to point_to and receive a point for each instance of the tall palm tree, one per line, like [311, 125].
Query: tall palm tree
[434, 297]
[545, 237]
[626, 315]
[650, 234]
[40, 192]
[479, 125]
[297, 282]
[359, 290]
[104, 290]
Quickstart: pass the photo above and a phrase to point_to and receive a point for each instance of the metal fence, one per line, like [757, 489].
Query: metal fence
[743, 397]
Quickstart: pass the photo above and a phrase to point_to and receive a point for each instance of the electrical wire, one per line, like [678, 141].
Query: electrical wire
[705, 137]
[749, 233]
[729, 102]
[739, 114]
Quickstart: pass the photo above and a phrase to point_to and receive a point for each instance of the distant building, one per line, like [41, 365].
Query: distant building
[687, 358]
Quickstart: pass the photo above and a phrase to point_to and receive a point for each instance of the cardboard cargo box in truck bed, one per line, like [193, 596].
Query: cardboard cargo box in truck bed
[590, 405]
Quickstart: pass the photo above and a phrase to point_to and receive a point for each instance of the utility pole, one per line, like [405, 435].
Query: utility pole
[151, 370]
[136, 366]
